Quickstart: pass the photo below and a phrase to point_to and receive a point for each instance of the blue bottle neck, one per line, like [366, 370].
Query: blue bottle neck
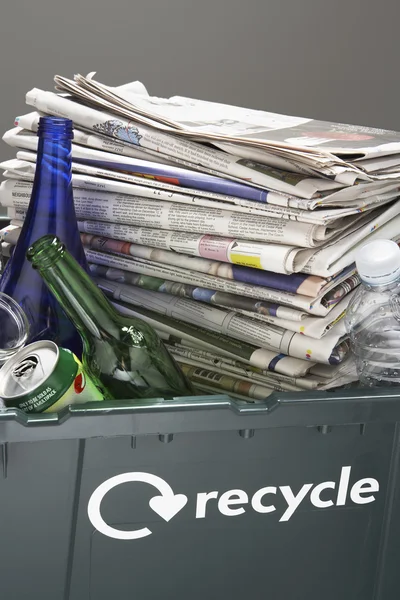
[53, 181]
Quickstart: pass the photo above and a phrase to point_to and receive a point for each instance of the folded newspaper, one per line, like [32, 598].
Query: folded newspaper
[283, 316]
[124, 210]
[317, 142]
[331, 349]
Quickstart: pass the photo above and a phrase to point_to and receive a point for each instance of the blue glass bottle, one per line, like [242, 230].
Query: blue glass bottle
[51, 211]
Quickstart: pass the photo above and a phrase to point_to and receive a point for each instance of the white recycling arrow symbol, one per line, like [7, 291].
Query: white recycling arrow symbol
[167, 505]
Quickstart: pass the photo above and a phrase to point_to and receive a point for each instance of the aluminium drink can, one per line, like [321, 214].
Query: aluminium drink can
[45, 378]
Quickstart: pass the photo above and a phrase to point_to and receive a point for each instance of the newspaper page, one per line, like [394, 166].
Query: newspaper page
[145, 267]
[210, 120]
[291, 259]
[359, 197]
[328, 295]
[324, 373]
[30, 122]
[245, 254]
[306, 285]
[129, 210]
[208, 247]
[199, 357]
[332, 376]
[328, 350]
[102, 142]
[139, 185]
[92, 92]
[105, 206]
[195, 154]
[334, 257]
[150, 188]
[217, 375]
[380, 164]
[226, 300]
[282, 316]
[314, 327]
[226, 382]
[10, 233]
[138, 166]
[313, 287]
[198, 336]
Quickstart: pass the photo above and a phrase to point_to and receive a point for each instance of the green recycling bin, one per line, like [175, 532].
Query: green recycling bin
[295, 498]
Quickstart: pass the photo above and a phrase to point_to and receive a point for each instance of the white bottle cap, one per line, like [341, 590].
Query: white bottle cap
[378, 263]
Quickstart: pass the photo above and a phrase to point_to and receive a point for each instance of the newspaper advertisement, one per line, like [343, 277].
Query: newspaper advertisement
[199, 337]
[327, 350]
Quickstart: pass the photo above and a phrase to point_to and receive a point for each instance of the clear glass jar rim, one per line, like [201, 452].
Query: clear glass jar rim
[12, 309]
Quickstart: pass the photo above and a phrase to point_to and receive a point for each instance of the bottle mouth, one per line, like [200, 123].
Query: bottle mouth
[55, 128]
[45, 252]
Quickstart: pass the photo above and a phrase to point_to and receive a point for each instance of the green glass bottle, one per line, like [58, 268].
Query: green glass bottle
[124, 355]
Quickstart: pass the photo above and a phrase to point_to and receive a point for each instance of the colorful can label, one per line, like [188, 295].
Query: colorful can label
[44, 378]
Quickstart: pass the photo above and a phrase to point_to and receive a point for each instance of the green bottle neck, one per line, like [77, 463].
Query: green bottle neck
[80, 298]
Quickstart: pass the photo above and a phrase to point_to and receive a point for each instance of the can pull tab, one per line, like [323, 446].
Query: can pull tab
[395, 306]
[28, 373]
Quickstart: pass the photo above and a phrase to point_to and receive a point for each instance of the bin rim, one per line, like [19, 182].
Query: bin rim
[203, 413]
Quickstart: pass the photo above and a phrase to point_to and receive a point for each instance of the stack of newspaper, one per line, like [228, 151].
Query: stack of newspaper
[232, 231]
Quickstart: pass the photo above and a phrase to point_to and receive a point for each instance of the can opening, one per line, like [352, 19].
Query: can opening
[29, 373]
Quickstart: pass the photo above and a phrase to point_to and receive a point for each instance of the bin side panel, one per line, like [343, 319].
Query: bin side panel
[329, 552]
[37, 492]
[387, 578]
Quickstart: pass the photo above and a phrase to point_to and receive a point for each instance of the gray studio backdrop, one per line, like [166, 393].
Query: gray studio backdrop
[330, 59]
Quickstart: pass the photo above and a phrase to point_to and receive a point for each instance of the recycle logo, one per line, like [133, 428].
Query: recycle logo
[282, 500]
[166, 505]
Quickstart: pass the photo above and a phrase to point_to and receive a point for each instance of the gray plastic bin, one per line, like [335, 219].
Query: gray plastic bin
[221, 500]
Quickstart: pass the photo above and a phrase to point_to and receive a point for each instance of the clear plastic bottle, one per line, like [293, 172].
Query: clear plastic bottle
[373, 315]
